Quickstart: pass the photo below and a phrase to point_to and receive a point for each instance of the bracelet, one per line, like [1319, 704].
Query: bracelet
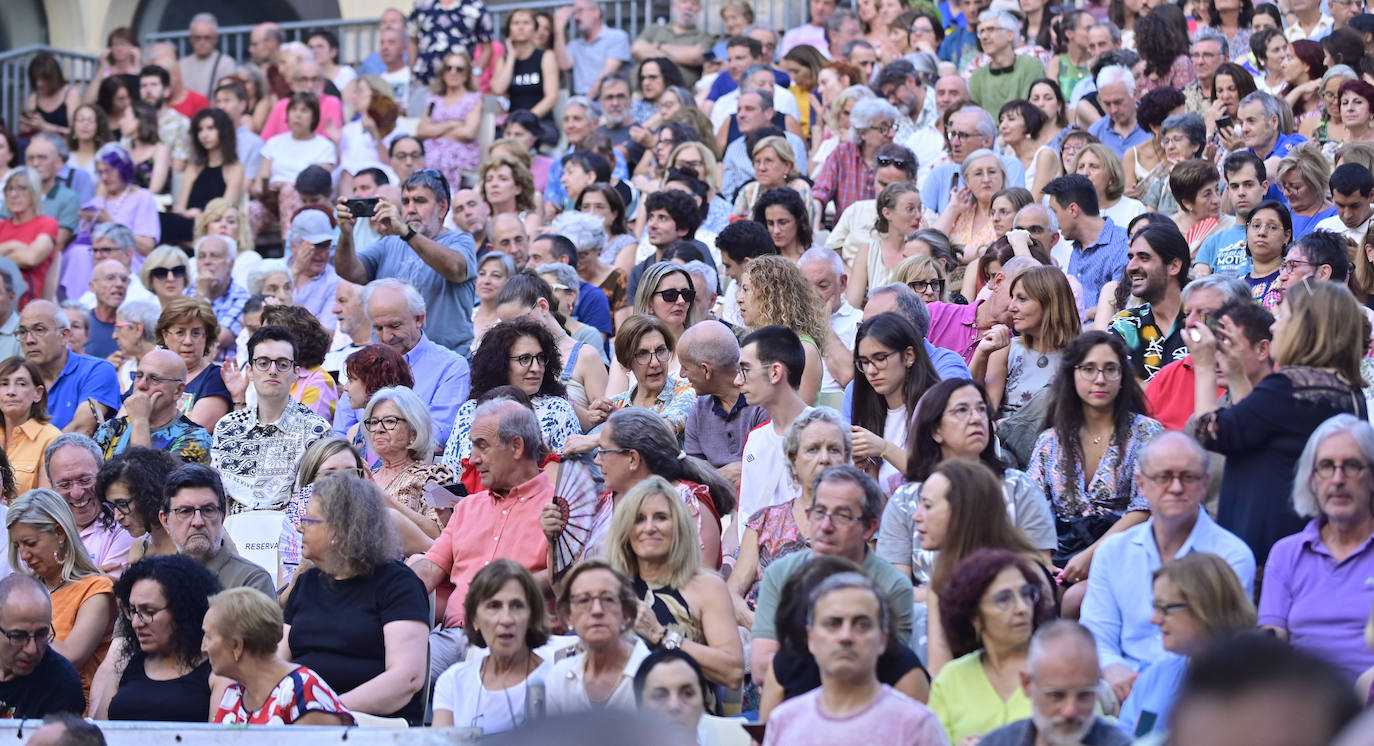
[240, 404]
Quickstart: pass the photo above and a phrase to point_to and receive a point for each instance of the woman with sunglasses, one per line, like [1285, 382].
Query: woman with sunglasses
[923, 274]
[189, 328]
[667, 293]
[452, 118]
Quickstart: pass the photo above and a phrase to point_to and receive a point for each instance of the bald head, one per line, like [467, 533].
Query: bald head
[163, 363]
[1174, 443]
[43, 311]
[1063, 641]
[711, 343]
[508, 235]
[19, 590]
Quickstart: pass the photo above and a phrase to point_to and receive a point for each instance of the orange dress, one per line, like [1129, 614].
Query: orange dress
[66, 602]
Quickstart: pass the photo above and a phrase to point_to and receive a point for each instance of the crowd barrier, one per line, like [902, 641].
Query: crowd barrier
[134, 733]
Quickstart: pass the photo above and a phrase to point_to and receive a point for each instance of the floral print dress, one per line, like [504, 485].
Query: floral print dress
[452, 157]
[440, 30]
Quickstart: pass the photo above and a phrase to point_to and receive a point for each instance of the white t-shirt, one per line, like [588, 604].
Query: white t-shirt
[291, 156]
[765, 477]
[845, 323]
[359, 151]
[344, 76]
[400, 83]
[894, 431]
[783, 103]
[459, 690]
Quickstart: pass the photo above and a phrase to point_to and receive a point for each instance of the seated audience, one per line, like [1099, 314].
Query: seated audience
[401, 433]
[72, 462]
[189, 327]
[671, 684]
[314, 387]
[644, 347]
[131, 483]
[28, 237]
[82, 390]
[151, 418]
[599, 603]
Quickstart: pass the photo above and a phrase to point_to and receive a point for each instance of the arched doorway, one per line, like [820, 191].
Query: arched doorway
[168, 15]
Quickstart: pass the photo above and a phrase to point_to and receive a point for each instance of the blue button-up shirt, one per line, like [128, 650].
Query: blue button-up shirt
[83, 377]
[1100, 262]
[442, 381]
[1118, 605]
[1113, 139]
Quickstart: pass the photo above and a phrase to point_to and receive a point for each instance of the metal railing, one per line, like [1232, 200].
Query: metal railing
[357, 37]
[14, 76]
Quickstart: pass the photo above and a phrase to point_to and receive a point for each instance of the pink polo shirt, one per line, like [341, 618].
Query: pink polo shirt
[954, 327]
[485, 527]
[331, 110]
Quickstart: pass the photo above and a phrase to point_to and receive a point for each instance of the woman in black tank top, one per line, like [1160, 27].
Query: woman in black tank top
[164, 677]
[527, 75]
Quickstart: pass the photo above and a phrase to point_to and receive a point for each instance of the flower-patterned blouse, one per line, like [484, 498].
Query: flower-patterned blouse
[1112, 489]
[298, 693]
[443, 30]
[674, 402]
[779, 536]
[557, 421]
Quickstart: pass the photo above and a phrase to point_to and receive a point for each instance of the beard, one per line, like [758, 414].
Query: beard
[1060, 731]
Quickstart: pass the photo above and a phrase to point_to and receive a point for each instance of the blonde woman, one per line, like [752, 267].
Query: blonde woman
[773, 290]
[925, 275]
[1097, 162]
[224, 218]
[452, 118]
[775, 166]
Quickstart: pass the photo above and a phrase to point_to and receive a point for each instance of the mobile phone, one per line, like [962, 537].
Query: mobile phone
[445, 495]
[362, 207]
[1225, 123]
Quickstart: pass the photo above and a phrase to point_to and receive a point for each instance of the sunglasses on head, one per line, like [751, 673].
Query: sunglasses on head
[885, 161]
[160, 273]
[672, 294]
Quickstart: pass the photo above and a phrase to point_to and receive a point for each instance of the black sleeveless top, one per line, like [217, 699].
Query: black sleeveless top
[208, 185]
[58, 116]
[185, 699]
[527, 83]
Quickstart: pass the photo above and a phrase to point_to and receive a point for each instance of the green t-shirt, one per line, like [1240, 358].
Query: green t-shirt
[991, 90]
[898, 587]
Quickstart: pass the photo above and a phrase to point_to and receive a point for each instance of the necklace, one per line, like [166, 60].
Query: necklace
[1097, 439]
[1042, 361]
[505, 690]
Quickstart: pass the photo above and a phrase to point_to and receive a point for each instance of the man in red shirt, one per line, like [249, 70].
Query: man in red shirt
[501, 521]
[183, 100]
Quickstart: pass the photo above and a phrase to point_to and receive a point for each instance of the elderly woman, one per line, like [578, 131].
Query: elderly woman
[1304, 175]
[452, 119]
[162, 676]
[1198, 602]
[508, 617]
[131, 482]
[399, 430]
[775, 167]
[645, 347]
[522, 353]
[1182, 138]
[817, 439]
[847, 175]
[27, 236]
[242, 632]
[1330, 126]
[189, 328]
[313, 387]
[1097, 162]
[44, 537]
[1196, 186]
[1020, 124]
[493, 270]
[1310, 384]
[954, 420]
[990, 607]
[119, 199]
[272, 278]
[1355, 100]
[165, 273]
[599, 604]
[358, 617]
[968, 221]
[25, 427]
[135, 323]
[898, 216]
[838, 118]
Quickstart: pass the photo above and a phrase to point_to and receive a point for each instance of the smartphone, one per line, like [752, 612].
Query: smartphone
[362, 207]
[1225, 124]
[445, 495]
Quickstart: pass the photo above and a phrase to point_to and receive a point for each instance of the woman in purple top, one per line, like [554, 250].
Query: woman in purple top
[118, 200]
[1317, 592]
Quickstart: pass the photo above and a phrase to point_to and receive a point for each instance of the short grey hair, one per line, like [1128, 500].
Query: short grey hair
[987, 126]
[1113, 74]
[72, 440]
[140, 312]
[873, 499]
[1170, 436]
[57, 141]
[415, 303]
[870, 110]
[229, 242]
[1233, 289]
[977, 155]
[1211, 34]
[1113, 31]
[505, 260]
[1002, 18]
[118, 233]
[909, 305]
[765, 97]
[1338, 71]
[1052, 222]
[586, 231]
[416, 415]
[818, 254]
[587, 104]
[205, 18]
[844, 581]
[1271, 106]
[35, 185]
[708, 274]
[516, 420]
[258, 274]
[1190, 124]
[1056, 630]
[564, 272]
[1305, 501]
[73, 305]
[791, 442]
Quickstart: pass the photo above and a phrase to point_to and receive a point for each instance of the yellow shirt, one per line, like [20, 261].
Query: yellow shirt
[24, 446]
[964, 700]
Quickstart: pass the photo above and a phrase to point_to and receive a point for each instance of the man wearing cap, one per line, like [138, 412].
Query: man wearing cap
[311, 244]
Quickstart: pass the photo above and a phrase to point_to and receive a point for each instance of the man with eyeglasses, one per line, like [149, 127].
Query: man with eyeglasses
[82, 390]
[616, 119]
[1172, 474]
[500, 521]
[151, 417]
[193, 510]
[844, 513]
[255, 449]
[72, 462]
[307, 78]
[1210, 49]
[35, 680]
[1007, 75]
[1061, 681]
[1116, 94]
[1321, 255]
[970, 128]
[206, 65]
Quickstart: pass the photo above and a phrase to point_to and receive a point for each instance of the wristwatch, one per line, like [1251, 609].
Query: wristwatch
[671, 640]
[410, 233]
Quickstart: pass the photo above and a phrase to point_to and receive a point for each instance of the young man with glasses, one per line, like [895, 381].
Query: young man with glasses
[151, 417]
[1172, 475]
[771, 360]
[255, 449]
[35, 680]
[843, 514]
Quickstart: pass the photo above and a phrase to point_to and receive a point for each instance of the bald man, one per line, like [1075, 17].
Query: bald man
[264, 46]
[183, 100]
[718, 425]
[110, 286]
[508, 235]
[82, 390]
[35, 680]
[151, 417]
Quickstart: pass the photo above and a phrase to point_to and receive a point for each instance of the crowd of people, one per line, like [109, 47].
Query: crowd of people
[976, 373]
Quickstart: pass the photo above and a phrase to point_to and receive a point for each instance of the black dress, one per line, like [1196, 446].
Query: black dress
[57, 116]
[185, 699]
[209, 184]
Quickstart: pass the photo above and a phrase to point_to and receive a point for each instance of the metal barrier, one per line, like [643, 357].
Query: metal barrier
[14, 76]
[137, 733]
[357, 37]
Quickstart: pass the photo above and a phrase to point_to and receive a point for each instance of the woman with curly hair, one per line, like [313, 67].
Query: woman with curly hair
[773, 290]
[162, 676]
[359, 616]
[1161, 39]
[508, 189]
[784, 213]
[131, 482]
[313, 387]
[992, 604]
[522, 353]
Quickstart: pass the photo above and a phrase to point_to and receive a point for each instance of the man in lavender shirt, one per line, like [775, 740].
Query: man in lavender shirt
[960, 327]
[311, 239]
[847, 630]
[1319, 583]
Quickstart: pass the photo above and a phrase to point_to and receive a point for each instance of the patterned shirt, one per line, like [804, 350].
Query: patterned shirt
[845, 178]
[1112, 490]
[228, 306]
[174, 130]
[298, 694]
[442, 30]
[557, 421]
[674, 402]
[258, 459]
[1151, 349]
[181, 437]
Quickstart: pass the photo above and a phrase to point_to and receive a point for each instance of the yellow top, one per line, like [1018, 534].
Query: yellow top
[24, 445]
[964, 700]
